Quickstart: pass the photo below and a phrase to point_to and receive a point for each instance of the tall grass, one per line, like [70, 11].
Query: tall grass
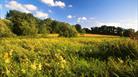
[68, 57]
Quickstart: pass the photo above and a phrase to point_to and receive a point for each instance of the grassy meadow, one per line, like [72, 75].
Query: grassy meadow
[84, 56]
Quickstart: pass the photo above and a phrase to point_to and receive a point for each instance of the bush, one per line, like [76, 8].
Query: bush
[4, 29]
[68, 31]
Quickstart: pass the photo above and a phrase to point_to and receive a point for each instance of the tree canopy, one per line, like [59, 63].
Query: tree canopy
[27, 24]
[4, 28]
[21, 23]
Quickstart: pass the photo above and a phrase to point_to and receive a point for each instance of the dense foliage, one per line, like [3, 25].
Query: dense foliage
[110, 30]
[23, 24]
[27, 24]
[68, 57]
[97, 56]
[67, 31]
[79, 28]
[5, 29]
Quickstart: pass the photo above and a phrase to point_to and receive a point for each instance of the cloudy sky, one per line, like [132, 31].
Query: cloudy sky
[88, 13]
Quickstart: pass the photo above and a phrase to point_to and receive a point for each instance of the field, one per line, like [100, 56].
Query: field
[85, 56]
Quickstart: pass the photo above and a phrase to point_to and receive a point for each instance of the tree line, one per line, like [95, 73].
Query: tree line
[21, 24]
[107, 30]
[25, 24]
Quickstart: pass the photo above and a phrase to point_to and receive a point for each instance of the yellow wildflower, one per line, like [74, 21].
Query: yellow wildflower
[7, 57]
[7, 60]
[62, 66]
[23, 70]
[39, 67]
[11, 52]
[61, 58]
[63, 61]
[33, 66]
[120, 60]
[7, 71]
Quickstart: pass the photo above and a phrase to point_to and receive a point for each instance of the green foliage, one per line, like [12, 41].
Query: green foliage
[111, 30]
[129, 32]
[27, 24]
[23, 24]
[67, 31]
[116, 49]
[5, 28]
[68, 57]
[136, 32]
[56, 26]
[45, 26]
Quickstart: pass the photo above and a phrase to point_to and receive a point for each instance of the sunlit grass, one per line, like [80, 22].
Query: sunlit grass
[68, 57]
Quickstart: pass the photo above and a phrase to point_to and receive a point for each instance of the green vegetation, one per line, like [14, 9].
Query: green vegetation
[24, 24]
[68, 57]
[111, 30]
[37, 51]
[4, 29]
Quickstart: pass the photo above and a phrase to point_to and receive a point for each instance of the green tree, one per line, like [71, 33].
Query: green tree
[136, 32]
[67, 31]
[4, 29]
[120, 31]
[23, 24]
[129, 32]
[78, 28]
[45, 26]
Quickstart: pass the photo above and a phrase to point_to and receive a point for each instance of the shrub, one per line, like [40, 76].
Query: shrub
[4, 29]
[68, 31]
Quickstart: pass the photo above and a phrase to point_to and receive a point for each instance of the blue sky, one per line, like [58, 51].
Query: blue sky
[88, 13]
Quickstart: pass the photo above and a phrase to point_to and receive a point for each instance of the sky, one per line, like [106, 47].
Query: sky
[88, 13]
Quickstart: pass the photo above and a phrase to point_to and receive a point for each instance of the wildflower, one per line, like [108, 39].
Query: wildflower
[63, 61]
[121, 61]
[7, 60]
[11, 52]
[33, 66]
[39, 67]
[61, 58]
[7, 71]
[62, 66]
[23, 70]
[7, 57]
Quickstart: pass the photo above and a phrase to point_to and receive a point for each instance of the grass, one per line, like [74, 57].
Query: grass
[95, 56]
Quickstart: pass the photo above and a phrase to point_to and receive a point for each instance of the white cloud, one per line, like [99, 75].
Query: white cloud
[16, 6]
[28, 8]
[80, 19]
[49, 2]
[70, 6]
[69, 16]
[60, 4]
[54, 3]
[84, 18]
[42, 15]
